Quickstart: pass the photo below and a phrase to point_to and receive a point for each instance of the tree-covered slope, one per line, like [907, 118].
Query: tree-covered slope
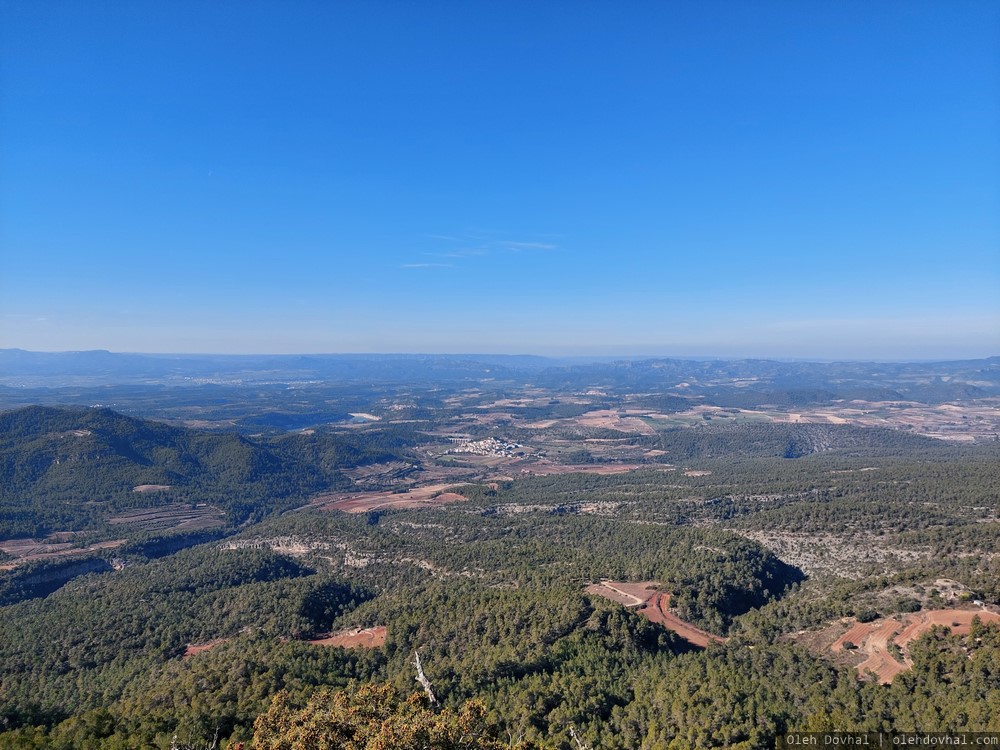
[790, 441]
[69, 468]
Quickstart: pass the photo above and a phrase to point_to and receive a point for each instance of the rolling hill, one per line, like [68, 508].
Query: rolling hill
[71, 468]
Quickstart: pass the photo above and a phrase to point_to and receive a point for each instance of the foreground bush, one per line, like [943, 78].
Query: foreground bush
[375, 717]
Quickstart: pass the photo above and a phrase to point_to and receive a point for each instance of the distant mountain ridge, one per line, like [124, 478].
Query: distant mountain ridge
[101, 365]
[946, 379]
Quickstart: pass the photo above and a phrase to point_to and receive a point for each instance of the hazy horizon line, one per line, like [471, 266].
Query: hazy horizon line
[553, 356]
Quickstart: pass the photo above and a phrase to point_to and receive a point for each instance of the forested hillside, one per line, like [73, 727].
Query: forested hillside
[768, 537]
[74, 468]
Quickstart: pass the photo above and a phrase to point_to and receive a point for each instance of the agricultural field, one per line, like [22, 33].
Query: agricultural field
[879, 649]
[420, 497]
[969, 422]
[55, 546]
[193, 517]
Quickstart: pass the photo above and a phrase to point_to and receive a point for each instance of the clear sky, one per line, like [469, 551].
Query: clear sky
[793, 179]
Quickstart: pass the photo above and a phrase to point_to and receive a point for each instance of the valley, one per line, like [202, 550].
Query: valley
[702, 554]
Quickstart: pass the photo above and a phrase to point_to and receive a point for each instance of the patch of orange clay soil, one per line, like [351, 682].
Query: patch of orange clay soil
[543, 468]
[654, 605]
[373, 637]
[197, 648]
[361, 502]
[872, 639]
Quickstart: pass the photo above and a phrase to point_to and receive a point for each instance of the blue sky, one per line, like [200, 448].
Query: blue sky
[782, 179]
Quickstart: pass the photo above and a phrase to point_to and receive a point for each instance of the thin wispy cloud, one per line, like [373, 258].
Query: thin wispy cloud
[520, 246]
[479, 243]
[472, 252]
[482, 243]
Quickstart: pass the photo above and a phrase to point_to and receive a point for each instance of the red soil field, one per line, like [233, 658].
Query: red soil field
[355, 637]
[197, 648]
[418, 497]
[546, 468]
[653, 605]
[958, 620]
[872, 639]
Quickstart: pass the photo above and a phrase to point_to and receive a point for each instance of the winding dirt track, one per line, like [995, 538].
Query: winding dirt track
[631, 594]
[657, 611]
[654, 606]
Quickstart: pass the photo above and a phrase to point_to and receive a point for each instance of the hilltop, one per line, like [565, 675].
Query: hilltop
[73, 468]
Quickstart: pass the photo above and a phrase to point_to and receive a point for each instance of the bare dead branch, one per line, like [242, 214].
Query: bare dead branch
[422, 679]
[576, 739]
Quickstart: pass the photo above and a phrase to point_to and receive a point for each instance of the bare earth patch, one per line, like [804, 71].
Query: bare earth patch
[654, 605]
[197, 648]
[544, 468]
[54, 545]
[881, 647]
[151, 487]
[612, 419]
[381, 474]
[178, 516]
[417, 497]
[373, 637]
[626, 594]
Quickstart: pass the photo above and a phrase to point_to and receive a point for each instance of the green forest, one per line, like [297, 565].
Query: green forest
[95, 648]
